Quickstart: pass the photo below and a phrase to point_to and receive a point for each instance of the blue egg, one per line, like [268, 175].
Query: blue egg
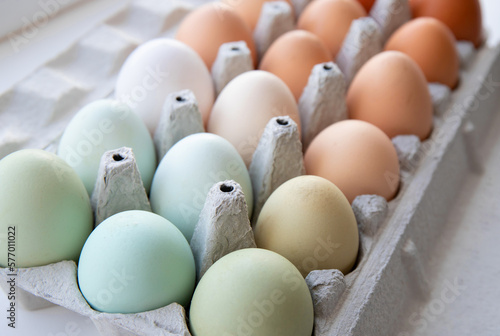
[188, 171]
[136, 261]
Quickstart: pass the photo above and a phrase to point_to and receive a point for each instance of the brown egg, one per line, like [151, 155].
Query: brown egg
[245, 106]
[211, 25]
[463, 17]
[357, 157]
[292, 57]
[330, 20]
[250, 10]
[367, 4]
[431, 45]
[390, 92]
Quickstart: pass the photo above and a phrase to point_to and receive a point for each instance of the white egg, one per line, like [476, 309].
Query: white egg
[160, 67]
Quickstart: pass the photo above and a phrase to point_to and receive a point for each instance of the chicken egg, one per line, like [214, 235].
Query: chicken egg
[245, 106]
[250, 10]
[357, 157]
[463, 17]
[391, 92]
[157, 68]
[292, 57]
[431, 45]
[252, 292]
[44, 209]
[330, 20]
[209, 26]
[309, 221]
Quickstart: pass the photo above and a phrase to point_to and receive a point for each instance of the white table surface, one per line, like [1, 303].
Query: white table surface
[63, 30]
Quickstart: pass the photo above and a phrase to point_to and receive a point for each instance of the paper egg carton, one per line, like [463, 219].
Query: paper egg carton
[395, 237]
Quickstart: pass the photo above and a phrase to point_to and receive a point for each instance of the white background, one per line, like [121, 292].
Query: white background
[61, 31]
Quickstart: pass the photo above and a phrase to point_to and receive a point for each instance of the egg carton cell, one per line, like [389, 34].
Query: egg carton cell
[395, 237]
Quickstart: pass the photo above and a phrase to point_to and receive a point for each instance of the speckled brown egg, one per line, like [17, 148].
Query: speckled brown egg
[211, 25]
[463, 17]
[357, 157]
[391, 92]
[292, 57]
[330, 20]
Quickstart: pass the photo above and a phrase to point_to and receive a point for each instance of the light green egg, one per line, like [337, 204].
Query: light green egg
[136, 261]
[102, 126]
[252, 292]
[188, 171]
[45, 213]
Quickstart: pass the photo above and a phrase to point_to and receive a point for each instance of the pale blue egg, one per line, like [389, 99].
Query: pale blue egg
[102, 126]
[188, 171]
[136, 261]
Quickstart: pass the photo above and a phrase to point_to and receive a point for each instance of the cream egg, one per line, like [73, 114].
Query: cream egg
[245, 106]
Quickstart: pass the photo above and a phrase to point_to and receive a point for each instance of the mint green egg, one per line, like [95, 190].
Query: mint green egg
[45, 212]
[136, 261]
[102, 126]
[188, 171]
[252, 292]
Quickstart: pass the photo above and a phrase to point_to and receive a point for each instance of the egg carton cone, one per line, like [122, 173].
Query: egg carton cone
[396, 237]
[276, 18]
[118, 186]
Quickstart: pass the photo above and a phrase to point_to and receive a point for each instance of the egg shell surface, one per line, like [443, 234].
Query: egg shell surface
[188, 171]
[432, 46]
[136, 261]
[160, 67]
[252, 290]
[44, 209]
[101, 126]
[209, 26]
[309, 221]
[357, 157]
[292, 57]
[246, 105]
[390, 91]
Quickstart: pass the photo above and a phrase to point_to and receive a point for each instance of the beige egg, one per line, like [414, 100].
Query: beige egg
[357, 157]
[309, 221]
[245, 106]
[391, 92]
